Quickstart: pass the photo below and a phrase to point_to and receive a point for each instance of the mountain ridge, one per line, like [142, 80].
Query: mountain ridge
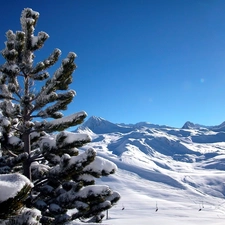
[95, 121]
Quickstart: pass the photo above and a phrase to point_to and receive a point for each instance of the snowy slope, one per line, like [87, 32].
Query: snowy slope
[180, 171]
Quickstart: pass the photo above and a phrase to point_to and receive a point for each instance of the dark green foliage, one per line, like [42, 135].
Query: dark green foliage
[12, 205]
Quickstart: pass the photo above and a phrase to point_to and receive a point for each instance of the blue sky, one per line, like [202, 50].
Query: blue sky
[158, 61]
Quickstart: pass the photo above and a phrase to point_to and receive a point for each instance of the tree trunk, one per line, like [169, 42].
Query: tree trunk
[26, 134]
[27, 162]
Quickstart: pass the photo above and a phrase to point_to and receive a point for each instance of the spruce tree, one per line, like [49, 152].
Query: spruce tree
[33, 135]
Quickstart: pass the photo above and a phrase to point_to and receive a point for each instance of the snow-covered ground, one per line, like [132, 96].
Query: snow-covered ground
[141, 198]
[165, 175]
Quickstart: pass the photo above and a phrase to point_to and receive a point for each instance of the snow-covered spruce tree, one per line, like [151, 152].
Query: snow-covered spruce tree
[33, 137]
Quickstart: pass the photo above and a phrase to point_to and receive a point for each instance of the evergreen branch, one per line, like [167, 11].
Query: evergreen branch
[11, 153]
[18, 95]
[7, 97]
[62, 123]
[40, 182]
[51, 60]
[36, 158]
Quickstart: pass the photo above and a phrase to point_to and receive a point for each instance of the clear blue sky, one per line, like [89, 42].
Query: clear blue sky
[160, 61]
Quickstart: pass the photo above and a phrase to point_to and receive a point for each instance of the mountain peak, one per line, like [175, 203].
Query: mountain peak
[99, 125]
[95, 120]
[188, 125]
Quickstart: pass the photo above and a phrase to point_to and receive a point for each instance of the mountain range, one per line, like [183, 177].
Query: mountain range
[177, 164]
[158, 147]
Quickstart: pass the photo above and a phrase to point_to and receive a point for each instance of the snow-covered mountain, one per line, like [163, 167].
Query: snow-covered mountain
[99, 125]
[190, 125]
[183, 166]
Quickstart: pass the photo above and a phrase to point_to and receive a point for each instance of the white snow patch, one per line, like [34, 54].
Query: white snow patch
[11, 184]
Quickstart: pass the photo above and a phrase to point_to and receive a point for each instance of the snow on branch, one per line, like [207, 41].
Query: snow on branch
[41, 76]
[31, 216]
[67, 139]
[14, 190]
[38, 41]
[11, 184]
[101, 167]
[53, 110]
[51, 60]
[62, 123]
[42, 100]
[28, 19]
[93, 191]
[62, 76]
[70, 166]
